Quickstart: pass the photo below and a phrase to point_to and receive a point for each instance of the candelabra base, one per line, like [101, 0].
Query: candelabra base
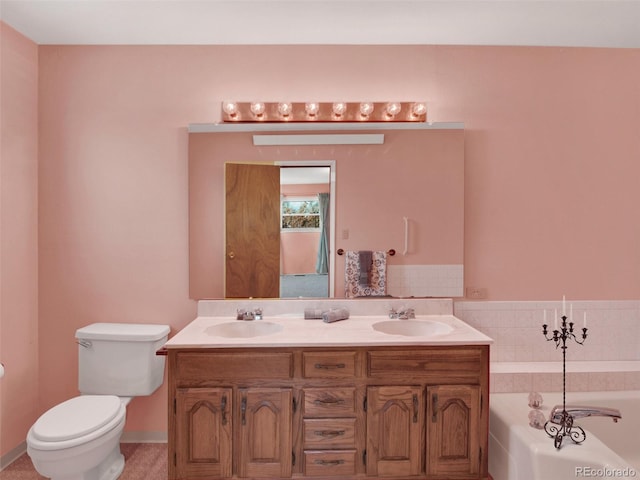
[564, 429]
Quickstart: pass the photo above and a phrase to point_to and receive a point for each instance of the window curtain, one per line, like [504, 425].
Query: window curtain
[322, 262]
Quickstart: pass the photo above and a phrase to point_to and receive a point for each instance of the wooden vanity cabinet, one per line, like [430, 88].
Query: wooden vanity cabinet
[345, 413]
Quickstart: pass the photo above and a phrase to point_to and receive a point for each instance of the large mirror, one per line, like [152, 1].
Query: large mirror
[403, 195]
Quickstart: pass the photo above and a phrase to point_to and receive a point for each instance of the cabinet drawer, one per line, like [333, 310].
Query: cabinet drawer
[454, 365]
[324, 402]
[322, 463]
[329, 433]
[328, 364]
[194, 368]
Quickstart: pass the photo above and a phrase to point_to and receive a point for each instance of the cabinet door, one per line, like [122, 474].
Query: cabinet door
[203, 432]
[453, 430]
[395, 419]
[265, 432]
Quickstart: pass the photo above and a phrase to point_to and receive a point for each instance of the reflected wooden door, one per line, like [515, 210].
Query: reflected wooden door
[252, 266]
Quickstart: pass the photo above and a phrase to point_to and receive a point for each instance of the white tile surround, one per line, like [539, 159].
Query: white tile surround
[522, 360]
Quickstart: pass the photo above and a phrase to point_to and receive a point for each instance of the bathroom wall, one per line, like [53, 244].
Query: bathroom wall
[550, 177]
[18, 237]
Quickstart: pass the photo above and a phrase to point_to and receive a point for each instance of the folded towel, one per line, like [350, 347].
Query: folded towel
[366, 264]
[313, 313]
[335, 314]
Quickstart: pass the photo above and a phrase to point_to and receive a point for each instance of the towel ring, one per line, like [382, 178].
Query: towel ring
[390, 252]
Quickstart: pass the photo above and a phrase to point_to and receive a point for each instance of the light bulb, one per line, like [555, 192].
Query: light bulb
[393, 108]
[230, 108]
[284, 109]
[339, 108]
[257, 108]
[312, 108]
[418, 109]
[366, 108]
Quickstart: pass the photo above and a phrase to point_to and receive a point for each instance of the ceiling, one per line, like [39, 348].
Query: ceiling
[575, 23]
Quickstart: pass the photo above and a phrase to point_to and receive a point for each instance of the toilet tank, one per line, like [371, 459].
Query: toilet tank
[120, 358]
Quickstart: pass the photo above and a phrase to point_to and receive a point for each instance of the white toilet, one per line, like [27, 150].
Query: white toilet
[79, 439]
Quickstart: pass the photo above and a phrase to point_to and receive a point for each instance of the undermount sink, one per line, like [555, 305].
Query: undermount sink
[413, 328]
[243, 329]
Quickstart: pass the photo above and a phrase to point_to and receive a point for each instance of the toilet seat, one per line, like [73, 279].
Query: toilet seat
[76, 421]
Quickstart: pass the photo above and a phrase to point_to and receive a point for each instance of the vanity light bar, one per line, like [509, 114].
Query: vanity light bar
[320, 139]
[265, 112]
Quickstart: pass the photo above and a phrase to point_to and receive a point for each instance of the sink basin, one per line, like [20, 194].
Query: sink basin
[413, 328]
[243, 329]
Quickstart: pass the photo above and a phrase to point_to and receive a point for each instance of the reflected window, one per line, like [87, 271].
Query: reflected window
[299, 214]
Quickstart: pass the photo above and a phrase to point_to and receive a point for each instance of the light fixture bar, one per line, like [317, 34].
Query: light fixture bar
[323, 112]
[319, 127]
[320, 139]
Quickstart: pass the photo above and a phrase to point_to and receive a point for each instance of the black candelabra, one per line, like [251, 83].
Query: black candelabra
[564, 427]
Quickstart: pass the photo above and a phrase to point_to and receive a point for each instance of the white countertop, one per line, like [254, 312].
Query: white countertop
[298, 332]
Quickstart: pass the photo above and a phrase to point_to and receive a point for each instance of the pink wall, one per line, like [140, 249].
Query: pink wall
[18, 236]
[551, 171]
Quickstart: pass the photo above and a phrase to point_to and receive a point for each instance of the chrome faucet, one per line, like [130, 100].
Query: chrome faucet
[255, 314]
[403, 313]
[576, 411]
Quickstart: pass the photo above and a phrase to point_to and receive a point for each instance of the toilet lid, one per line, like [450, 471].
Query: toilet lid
[76, 417]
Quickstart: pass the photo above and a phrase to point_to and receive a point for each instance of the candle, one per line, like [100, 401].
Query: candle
[571, 312]
[555, 319]
[544, 317]
[563, 307]
[584, 323]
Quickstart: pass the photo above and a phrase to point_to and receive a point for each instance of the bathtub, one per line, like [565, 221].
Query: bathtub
[520, 452]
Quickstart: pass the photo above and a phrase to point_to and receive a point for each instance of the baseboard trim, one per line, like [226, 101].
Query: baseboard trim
[144, 437]
[11, 456]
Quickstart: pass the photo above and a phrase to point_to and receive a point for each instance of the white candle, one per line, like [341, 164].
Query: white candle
[571, 312]
[544, 317]
[584, 323]
[555, 319]
[563, 307]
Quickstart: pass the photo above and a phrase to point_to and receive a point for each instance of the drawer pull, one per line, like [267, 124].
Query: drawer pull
[434, 407]
[328, 401]
[329, 366]
[243, 410]
[329, 433]
[223, 408]
[328, 463]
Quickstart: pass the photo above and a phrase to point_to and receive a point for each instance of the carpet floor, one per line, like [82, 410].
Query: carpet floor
[142, 461]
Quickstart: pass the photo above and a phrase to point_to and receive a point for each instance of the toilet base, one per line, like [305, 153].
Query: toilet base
[99, 459]
[110, 469]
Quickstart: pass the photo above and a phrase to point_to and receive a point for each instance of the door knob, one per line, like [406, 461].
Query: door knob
[231, 255]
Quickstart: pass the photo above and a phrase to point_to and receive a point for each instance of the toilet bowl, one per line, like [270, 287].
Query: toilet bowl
[79, 439]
